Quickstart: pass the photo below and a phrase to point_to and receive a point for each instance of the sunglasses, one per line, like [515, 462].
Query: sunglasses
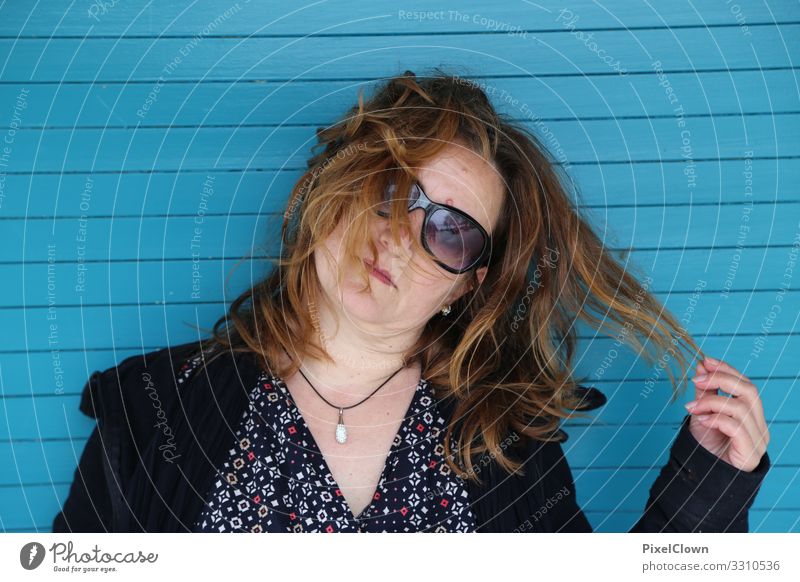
[455, 240]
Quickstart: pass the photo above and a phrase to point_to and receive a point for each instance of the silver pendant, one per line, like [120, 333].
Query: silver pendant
[341, 430]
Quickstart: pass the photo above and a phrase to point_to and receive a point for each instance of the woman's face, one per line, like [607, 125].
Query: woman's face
[458, 177]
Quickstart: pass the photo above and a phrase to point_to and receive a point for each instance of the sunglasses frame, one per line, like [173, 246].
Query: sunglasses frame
[429, 207]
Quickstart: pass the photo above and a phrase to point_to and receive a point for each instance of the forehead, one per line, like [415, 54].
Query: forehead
[461, 178]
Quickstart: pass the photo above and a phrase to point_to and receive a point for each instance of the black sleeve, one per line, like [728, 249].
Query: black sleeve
[698, 492]
[87, 507]
[558, 484]
[559, 512]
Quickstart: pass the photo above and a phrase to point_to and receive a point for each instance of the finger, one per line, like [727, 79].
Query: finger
[703, 387]
[731, 384]
[717, 403]
[761, 441]
[758, 409]
[765, 438]
[699, 371]
[740, 437]
[721, 366]
[758, 414]
[733, 407]
[743, 390]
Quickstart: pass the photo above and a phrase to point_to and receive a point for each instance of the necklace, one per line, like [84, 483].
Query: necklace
[341, 429]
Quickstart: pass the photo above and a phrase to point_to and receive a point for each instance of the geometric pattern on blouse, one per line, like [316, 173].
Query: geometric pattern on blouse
[275, 479]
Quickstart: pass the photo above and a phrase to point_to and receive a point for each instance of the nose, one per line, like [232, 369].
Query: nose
[386, 241]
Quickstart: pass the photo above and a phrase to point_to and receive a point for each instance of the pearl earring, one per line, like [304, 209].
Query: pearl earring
[445, 310]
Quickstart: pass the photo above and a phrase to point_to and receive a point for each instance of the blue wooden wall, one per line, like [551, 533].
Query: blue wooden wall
[127, 125]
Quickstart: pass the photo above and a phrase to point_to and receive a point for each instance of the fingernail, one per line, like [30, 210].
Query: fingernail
[702, 417]
[690, 405]
[712, 361]
[700, 378]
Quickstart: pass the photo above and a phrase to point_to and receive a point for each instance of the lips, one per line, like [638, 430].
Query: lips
[380, 273]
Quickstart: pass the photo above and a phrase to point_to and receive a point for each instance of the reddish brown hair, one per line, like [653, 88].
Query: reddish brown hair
[505, 353]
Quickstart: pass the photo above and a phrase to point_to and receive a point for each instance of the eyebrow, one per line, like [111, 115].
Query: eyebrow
[425, 189]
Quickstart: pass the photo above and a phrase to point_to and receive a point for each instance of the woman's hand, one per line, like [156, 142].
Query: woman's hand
[734, 429]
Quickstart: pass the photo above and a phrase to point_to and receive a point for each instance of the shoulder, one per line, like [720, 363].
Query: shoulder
[544, 461]
[590, 398]
[132, 399]
[127, 392]
[124, 382]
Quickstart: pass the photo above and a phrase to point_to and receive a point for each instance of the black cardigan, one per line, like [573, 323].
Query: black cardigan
[158, 443]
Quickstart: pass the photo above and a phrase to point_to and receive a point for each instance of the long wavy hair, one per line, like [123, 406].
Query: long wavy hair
[505, 353]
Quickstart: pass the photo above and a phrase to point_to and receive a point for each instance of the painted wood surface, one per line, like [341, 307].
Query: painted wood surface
[681, 141]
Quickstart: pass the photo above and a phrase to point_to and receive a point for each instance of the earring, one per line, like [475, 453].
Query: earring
[446, 310]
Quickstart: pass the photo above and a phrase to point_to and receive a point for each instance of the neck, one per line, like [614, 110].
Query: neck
[362, 361]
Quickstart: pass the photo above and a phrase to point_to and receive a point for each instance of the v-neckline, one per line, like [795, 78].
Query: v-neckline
[313, 443]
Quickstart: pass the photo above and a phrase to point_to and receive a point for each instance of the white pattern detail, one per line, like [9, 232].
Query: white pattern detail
[273, 477]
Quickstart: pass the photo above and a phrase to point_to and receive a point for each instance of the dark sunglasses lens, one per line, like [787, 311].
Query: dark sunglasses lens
[454, 239]
[385, 208]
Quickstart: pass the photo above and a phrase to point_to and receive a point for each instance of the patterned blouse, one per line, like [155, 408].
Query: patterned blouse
[275, 479]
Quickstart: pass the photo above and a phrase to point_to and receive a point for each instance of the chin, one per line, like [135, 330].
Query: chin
[362, 306]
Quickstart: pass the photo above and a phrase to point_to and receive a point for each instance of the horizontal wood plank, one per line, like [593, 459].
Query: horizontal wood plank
[248, 148]
[270, 103]
[718, 273]
[372, 57]
[52, 416]
[211, 19]
[121, 194]
[90, 327]
[63, 372]
[243, 236]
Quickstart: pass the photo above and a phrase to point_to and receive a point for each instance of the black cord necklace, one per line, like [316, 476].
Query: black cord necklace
[341, 429]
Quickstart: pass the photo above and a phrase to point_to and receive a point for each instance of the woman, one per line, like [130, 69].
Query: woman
[406, 364]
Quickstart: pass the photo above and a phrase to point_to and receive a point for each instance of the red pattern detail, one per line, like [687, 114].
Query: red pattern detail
[294, 429]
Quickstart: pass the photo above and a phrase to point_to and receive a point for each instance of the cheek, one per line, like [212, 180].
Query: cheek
[427, 284]
[333, 244]
[327, 258]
